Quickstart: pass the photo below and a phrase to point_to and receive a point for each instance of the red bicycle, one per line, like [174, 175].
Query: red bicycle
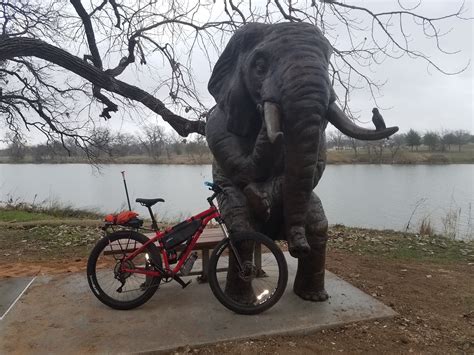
[125, 268]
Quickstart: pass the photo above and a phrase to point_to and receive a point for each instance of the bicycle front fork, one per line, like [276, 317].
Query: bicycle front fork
[232, 246]
[223, 227]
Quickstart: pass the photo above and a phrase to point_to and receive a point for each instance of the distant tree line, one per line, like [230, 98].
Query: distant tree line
[435, 141]
[438, 141]
[443, 141]
[157, 145]
[152, 142]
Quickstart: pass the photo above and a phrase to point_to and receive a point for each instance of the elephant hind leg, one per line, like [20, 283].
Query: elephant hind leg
[309, 280]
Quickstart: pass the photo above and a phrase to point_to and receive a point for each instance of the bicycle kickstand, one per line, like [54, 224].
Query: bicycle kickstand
[181, 281]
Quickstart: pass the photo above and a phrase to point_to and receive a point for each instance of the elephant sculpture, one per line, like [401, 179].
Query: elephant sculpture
[267, 135]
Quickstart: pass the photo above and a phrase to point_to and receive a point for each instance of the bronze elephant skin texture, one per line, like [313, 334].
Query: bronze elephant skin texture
[274, 100]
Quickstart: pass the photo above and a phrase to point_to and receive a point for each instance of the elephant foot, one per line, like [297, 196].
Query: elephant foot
[311, 295]
[309, 279]
[297, 244]
[258, 201]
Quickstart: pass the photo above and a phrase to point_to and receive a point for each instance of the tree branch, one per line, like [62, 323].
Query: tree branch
[86, 20]
[30, 47]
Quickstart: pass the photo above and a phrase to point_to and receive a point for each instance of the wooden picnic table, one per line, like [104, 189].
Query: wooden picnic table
[208, 240]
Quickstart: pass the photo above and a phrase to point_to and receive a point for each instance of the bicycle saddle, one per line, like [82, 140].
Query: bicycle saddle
[148, 202]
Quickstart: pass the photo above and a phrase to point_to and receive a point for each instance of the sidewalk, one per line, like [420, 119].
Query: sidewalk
[60, 315]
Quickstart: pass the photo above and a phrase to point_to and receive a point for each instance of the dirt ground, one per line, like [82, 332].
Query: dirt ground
[433, 297]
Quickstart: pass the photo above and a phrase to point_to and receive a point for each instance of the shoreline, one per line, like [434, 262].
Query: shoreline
[334, 157]
[85, 162]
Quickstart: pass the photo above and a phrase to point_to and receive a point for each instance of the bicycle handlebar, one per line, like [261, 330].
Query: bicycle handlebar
[217, 190]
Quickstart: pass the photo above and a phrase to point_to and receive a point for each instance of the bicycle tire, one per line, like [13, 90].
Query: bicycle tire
[252, 306]
[151, 283]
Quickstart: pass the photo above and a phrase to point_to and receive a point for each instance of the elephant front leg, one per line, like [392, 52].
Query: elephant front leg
[237, 287]
[234, 209]
[309, 280]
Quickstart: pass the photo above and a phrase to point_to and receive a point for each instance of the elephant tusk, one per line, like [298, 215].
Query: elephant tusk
[339, 119]
[271, 114]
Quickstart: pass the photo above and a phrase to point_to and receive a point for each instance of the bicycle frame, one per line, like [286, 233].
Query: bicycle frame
[206, 216]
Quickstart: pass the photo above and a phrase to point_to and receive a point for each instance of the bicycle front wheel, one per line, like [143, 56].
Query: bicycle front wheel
[248, 273]
[111, 285]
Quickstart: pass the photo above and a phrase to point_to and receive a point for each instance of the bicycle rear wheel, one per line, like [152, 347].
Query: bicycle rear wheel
[248, 273]
[113, 287]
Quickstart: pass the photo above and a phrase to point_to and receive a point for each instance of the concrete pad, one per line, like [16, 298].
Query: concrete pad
[61, 315]
[10, 290]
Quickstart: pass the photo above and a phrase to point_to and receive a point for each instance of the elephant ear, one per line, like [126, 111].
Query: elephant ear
[227, 84]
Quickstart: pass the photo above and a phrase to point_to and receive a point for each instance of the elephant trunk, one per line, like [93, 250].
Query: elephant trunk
[304, 107]
[301, 157]
[302, 144]
[304, 90]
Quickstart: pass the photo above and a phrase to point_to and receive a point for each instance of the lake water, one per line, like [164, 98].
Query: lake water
[374, 196]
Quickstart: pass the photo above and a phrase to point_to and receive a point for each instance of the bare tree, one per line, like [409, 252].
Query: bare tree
[355, 144]
[378, 147]
[431, 140]
[51, 33]
[101, 141]
[197, 146]
[59, 59]
[123, 144]
[153, 140]
[176, 144]
[336, 138]
[461, 138]
[447, 139]
[413, 139]
[394, 144]
[16, 147]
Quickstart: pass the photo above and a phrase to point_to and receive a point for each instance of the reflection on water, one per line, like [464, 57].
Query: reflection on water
[375, 196]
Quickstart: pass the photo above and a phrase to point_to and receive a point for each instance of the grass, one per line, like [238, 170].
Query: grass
[426, 228]
[23, 216]
[44, 242]
[184, 159]
[47, 243]
[26, 212]
[55, 232]
[402, 246]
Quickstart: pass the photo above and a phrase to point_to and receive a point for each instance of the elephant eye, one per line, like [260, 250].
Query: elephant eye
[261, 66]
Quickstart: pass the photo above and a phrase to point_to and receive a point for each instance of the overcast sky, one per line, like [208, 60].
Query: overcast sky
[423, 98]
[414, 96]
